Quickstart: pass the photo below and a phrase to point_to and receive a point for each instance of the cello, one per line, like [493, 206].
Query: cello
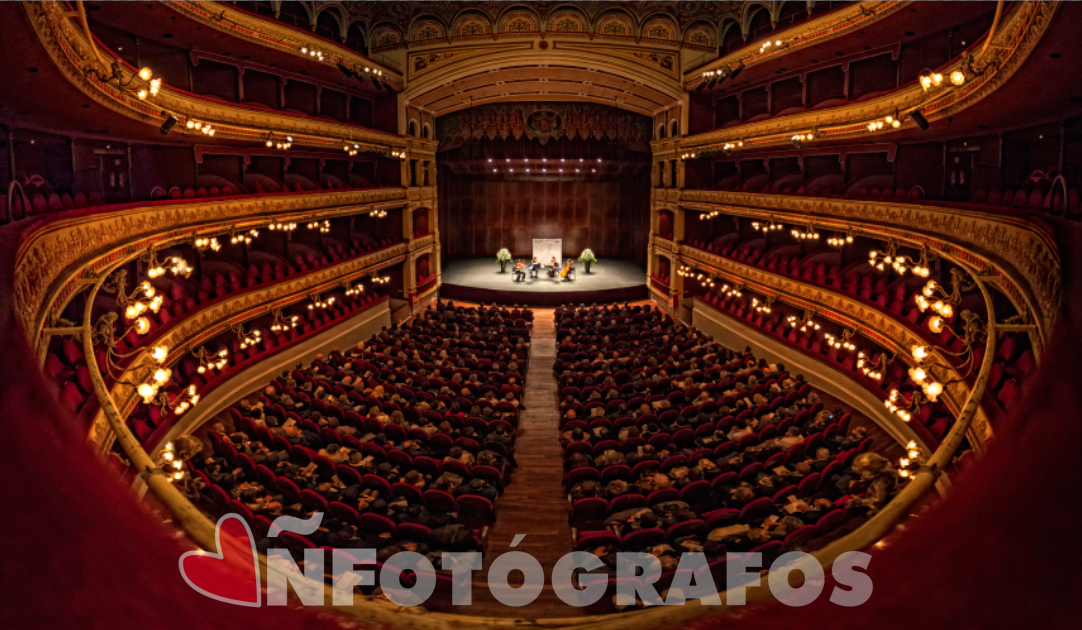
[567, 270]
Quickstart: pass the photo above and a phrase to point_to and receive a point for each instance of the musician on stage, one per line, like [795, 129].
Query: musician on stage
[534, 267]
[520, 271]
[554, 268]
[569, 266]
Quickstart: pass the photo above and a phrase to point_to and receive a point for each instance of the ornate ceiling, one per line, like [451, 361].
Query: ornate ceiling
[404, 13]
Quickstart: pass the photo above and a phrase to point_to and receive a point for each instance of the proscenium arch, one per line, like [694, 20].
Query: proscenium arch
[651, 91]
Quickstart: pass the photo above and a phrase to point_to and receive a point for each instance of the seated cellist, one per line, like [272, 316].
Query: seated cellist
[567, 270]
[520, 271]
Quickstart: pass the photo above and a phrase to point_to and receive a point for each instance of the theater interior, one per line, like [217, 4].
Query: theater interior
[587, 314]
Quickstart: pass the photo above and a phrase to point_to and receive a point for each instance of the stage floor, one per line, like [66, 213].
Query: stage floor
[479, 279]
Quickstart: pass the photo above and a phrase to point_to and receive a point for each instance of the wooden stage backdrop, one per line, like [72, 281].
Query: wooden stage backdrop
[479, 215]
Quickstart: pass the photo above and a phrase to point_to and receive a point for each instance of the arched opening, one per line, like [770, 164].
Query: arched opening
[294, 13]
[665, 224]
[327, 26]
[675, 129]
[420, 222]
[661, 131]
[760, 25]
[731, 38]
[426, 131]
[355, 38]
[412, 128]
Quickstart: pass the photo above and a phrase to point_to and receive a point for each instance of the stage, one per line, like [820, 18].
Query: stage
[480, 280]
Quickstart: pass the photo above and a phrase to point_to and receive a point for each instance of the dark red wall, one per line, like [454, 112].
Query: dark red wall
[478, 216]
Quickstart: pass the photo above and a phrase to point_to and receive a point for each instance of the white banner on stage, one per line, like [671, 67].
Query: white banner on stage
[544, 249]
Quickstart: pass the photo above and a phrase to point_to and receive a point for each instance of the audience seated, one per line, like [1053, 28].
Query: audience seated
[674, 443]
[403, 442]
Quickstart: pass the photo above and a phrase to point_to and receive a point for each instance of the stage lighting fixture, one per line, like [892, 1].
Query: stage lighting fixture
[713, 81]
[727, 151]
[386, 86]
[346, 71]
[919, 118]
[738, 70]
[375, 82]
[702, 85]
[167, 126]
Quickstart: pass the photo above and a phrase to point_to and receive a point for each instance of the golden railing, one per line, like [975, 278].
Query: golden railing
[84, 63]
[1011, 44]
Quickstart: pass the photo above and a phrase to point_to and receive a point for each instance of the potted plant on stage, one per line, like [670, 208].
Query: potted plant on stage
[587, 258]
[502, 257]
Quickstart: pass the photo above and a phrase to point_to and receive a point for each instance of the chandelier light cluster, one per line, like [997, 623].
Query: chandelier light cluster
[205, 128]
[772, 45]
[142, 84]
[913, 455]
[378, 279]
[144, 298]
[766, 227]
[840, 241]
[899, 407]
[733, 291]
[873, 369]
[808, 232]
[170, 459]
[279, 226]
[353, 290]
[689, 155]
[800, 138]
[243, 237]
[890, 121]
[901, 264]
[806, 324]
[729, 146]
[211, 361]
[708, 215]
[283, 323]
[323, 226]
[247, 340]
[377, 214]
[174, 265]
[689, 272]
[921, 375]
[274, 141]
[841, 343]
[943, 305]
[398, 153]
[205, 243]
[315, 53]
[317, 302]
[762, 307]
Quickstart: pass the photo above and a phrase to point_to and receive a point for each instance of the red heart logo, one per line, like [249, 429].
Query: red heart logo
[232, 574]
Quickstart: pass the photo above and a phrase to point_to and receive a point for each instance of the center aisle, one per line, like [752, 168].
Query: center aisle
[535, 503]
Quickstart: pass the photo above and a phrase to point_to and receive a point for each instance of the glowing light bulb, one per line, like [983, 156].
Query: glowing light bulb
[958, 77]
[920, 352]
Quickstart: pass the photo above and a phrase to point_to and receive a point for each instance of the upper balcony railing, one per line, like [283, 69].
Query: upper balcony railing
[948, 90]
[111, 82]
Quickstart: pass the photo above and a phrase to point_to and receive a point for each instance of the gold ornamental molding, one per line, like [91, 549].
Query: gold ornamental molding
[59, 255]
[64, 40]
[808, 33]
[194, 330]
[1021, 253]
[842, 309]
[1011, 45]
[270, 34]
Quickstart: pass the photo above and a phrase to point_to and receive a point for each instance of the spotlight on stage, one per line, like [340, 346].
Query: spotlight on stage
[738, 70]
[919, 118]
